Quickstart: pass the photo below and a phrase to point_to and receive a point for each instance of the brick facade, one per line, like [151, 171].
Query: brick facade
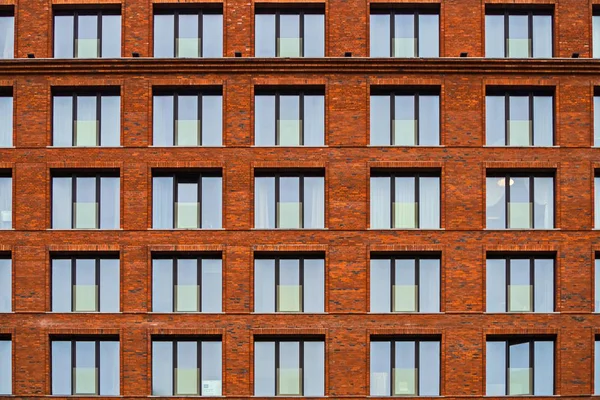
[347, 161]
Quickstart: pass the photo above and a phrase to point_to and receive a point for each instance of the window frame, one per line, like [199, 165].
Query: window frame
[416, 175]
[85, 174]
[7, 256]
[300, 174]
[507, 175]
[76, 13]
[8, 338]
[506, 12]
[8, 93]
[199, 94]
[10, 13]
[175, 257]
[410, 339]
[7, 174]
[531, 257]
[98, 94]
[174, 340]
[187, 177]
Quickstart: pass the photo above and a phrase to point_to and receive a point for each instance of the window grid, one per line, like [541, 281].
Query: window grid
[415, 14]
[200, 15]
[76, 15]
[530, 35]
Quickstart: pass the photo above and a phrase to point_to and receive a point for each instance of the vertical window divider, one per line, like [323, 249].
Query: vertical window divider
[199, 364]
[199, 119]
[393, 117]
[277, 115]
[73, 281]
[175, 361]
[507, 265]
[277, 198]
[416, 108]
[392, 32]
[530, 31]
[175, 116]
[97, 288]
[418, 370]
[301, 23]
[75, 33]
[532, 282]
[392, 282]
[73, 366]
[200, 266]
[74, 121]
[98, 188]
[507, 367]
[301, 199]
[301, 103]
[507, 202]
[175, 282]
[277, 363]
[99, 119]
[199, 221]
[416, 34]
[506, 119]
[99, 21]
[73, 200]
[175, 198]
[200, 39]
[301, 365]
[417, 283]
[97, 362]
[276, 284]
[532, 119]
[417, 180]
[392, 366]
[506, 34]
[301, 280]
[531, 199]
[175, 36]
[277, 37]
[532, 363]
[393, 196]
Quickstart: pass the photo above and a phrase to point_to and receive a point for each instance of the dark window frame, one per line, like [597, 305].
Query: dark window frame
[194, 177]
[277, 175]
[507, 258]
[84, 174]
[411, 339]
[417, 257]
[531, 175]
[76, 13]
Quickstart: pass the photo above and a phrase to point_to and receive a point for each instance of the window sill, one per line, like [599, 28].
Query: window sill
[289, 229]
[521, 229]
[406, 229]
[521, 313]
[84, 147]
[84, 229]
[287, 313]
[387, 146]
[7, 147]
[84, 312]
[288, 147]
[185, 313]
[520, 147]
[185, 229]
[407, 313]
[187, 147]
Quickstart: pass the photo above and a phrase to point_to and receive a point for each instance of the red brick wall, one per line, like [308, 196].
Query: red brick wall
[347, 159]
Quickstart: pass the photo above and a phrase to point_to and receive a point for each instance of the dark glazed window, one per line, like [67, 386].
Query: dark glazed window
[188, 33]
[186, 283]
[188, 118]
[85, 283]
[518, 34]
[405, 367]
[289, 33]
[405, 33]
[288, 283]
[289, 367]
[86, 119]
[520, 366]
[186, 367]
[87, 34]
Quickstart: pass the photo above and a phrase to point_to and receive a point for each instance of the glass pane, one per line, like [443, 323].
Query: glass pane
[405, 289]
[597, 116]
[405, 373]
[543, 368]
[110, 123]
[187, 126]
[314, 369]
[543, 120]
[289, 291]
[429, 203]
[188, 42]
[5, 367]
[186, 371]
[264, 124]
[6, 120]
[162, 203]
[187, 290]
[519, 370]
[494, 36]
[495, 285]
[212, 120]
[519, 43]
[264, 203]
[495, 121]
[212, 33]
[542, 36]
[596, 36]
[544, 285]
[314, 203]
[264, 285]
[429, 35]
[289, 125]
[62, 120]
[404, 41]
[7, 33]
[495, 371]
[380, 121]
[63, 36]
[380, 36]
[85, 291]
[519, 124]
[187, 206]
[405, 125]
[211, 285]
[86, 207]
[264, 368]
[543, 203]
[289, 374]
[314, 35]
[87, 44]
[265, 35]
[597, 285]
[289, 43]
[597, 203]
[495, 203]
[429, 373]
[109, 368]
[61, 285]
[87, 120]
[111, 36]
[520, 291]
[61, 368]
[164, 41]
[519, 206]
[61, 201]
[162, 285]
[85, 373]
[289, 208]
[314, 286]
[405, 207]
[380, 369]
[380, 202]
[429, 286]
[212, 203]
[109, 285]
[211, 368]
[162, 368]
[314, 120]
[596, 364]
[429, 120]
[380, 286]
[5, 287]
[110, 203]
[163, 121]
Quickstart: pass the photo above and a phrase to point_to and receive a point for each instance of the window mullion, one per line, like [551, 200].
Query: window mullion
[175, 199]
[506, 119]
[98, 284]
[277, 278]
[532, 281]
[277, 116]
[301, 199]
[531, 198]
[507, 265]
[507, 201]
[199, 365]
[301, 280]
[301, 114]
[75, 33]
[417, 372]
[74, 120]
[392, 366]
[392, 32]
[301, 364]
[99, 25]
[98, 208]
[199, 220]
[393, 117]
[416, 34]
[506, 34]
[277, 363]
[417, 282]
[393, 196]
[416, 117]
[199, 119]
[175, 117]
[392, 282]
[277, 35]
[200, 267]
[301, 17]
[97, 359]
[176, 33]
[175, 265]
[73, 281]
[73, 200]
[99, 119]
[277, 197]
[417, 179]
[175, 361]
[73, 366]
[200, 27]
[532, 119]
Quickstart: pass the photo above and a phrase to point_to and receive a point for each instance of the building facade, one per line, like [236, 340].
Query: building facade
[334, 198]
